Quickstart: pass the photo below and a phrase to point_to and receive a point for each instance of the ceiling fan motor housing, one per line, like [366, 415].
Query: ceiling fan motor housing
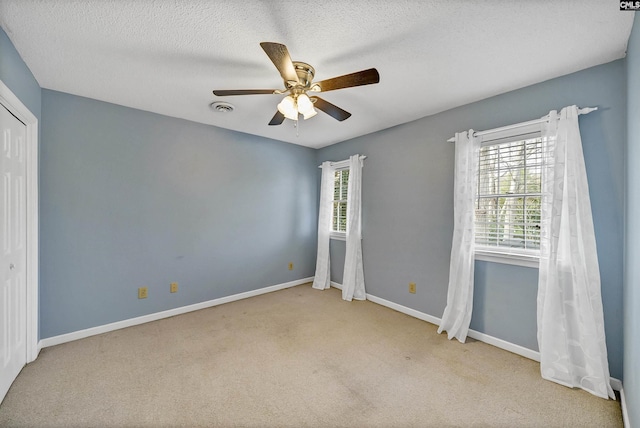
[305, 74]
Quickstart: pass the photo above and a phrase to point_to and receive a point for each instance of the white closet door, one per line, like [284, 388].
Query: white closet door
[13, 354]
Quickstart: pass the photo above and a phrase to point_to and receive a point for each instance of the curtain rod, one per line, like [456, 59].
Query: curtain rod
[344, 161]
[543, 119]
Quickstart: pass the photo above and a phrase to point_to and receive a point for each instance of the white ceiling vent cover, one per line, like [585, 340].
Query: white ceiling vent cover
[221, 107]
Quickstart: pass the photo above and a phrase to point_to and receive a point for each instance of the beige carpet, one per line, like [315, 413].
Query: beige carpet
[294, 358]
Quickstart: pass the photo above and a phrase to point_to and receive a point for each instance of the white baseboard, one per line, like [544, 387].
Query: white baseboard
[411, 312]
[503, 344]
[616, 384]
[625, 411]
[81, 334]
[482, 337]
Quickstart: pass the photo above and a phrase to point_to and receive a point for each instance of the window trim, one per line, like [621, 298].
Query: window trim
[336, 234]
[486, 254]
[343, 164]
[511, 256]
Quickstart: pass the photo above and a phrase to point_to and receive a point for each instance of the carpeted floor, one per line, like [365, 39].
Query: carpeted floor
[294, 358]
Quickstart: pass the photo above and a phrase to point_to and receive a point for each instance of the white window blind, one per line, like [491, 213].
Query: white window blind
[507, 216]
[339, 210]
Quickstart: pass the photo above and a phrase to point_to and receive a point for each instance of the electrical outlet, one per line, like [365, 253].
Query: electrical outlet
[173, 287]
[412, 287]
[142, 293]
[290, 266]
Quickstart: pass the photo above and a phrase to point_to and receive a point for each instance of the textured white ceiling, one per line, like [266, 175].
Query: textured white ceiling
[166, 56]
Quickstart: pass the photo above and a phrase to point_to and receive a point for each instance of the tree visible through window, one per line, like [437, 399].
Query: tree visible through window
[509, 195]
[339, 211]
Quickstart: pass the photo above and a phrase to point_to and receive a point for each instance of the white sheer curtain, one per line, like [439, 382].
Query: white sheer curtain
[353, 277]
[322, 280]
[457, 314]
[571, 334]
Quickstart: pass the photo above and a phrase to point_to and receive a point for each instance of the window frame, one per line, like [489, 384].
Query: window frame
[335, 234]
[507, 255]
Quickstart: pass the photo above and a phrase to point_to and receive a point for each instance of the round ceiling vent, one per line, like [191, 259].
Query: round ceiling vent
[222, 107]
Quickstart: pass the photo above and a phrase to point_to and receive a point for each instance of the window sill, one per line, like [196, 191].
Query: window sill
[339, 236]
[517, 259]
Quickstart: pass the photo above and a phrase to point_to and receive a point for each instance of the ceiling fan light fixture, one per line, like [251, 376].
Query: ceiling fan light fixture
[298, 82]
[309, 115]
[288, 108]
[305, 106]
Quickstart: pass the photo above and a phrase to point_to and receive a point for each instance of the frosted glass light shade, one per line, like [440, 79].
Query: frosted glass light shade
[310, 114]
[305, 106]
[288, 108]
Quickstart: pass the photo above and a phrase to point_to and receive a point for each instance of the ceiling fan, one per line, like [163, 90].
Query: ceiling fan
[298, 81]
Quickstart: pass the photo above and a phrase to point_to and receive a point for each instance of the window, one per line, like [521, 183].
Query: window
[507, 217]
[339, 203]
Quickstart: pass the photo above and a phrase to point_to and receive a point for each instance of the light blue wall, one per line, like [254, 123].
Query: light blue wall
[408, 204]
[632, 256]
[131, 199]
[337, 249]
[17, 76]
[504, 307]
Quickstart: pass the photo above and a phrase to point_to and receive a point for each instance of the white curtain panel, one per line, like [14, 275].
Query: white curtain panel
[353, 276]
[322, 279]
[457, 314]
[571, 334]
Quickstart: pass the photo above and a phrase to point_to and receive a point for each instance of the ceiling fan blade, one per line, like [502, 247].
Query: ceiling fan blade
[225, 92]
[279, 55]
[277, 119]
[332, 110]
[359, 78]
